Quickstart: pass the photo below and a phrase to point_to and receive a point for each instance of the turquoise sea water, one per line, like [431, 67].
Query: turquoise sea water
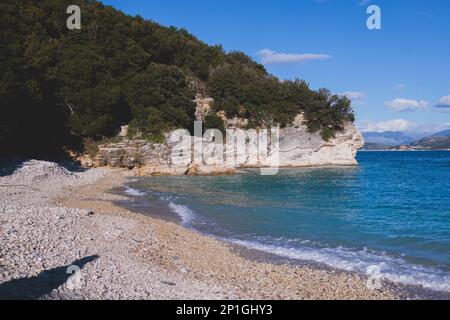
[390, 215]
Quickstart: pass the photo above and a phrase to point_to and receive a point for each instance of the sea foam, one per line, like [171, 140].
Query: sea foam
[364, 262]
[186, 214]
[134, 192]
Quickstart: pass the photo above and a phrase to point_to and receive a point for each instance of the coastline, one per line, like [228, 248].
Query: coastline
[144, 257]
[164, 213]
[197, 153]
[434, 150]
[244, 271]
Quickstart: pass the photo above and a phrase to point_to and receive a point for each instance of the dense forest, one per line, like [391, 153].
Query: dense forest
[61, 88]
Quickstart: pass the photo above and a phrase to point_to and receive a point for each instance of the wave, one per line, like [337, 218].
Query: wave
[134, 192]
[186, 214]
[363, 261]
[366, 261]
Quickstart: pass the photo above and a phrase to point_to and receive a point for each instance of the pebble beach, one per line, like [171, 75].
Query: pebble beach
[63, 237]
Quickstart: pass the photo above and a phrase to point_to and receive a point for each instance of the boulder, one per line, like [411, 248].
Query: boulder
[85, 161]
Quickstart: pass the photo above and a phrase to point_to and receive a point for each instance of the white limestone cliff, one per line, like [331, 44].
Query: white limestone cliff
[300, 148]
[297, 148]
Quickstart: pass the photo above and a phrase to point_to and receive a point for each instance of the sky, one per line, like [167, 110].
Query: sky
[398, 77]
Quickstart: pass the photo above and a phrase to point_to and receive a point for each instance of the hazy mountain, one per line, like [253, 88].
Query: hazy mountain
[419, 141]
[445, 133]
[370, 146]
[437, 141]
[389, 138]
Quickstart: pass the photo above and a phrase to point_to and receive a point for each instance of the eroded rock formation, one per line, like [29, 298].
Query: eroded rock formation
[297, 148]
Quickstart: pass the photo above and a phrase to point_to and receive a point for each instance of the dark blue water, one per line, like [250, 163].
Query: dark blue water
[390, 215]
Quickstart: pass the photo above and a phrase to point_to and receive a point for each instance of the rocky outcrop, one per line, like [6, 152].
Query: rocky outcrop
[297, 148]
[177, 156]
[203, 106]
[300, 148]
[132, 153]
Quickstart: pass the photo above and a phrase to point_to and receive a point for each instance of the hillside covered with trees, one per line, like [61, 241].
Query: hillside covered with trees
[61, 88]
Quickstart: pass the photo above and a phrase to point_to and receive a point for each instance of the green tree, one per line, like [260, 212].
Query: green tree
[213, 121]
[59, 88]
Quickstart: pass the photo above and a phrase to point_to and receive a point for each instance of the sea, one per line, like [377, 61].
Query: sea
[388, 217]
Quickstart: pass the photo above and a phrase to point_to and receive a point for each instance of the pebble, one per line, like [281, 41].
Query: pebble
[39, 235]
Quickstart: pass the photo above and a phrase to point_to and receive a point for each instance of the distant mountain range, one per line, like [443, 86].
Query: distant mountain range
[405, 141]
[389, 138]
[445, 133]
[436, 141]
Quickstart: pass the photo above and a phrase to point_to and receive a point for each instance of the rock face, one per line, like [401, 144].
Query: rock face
[300, 148]
[203, 107]
[180, 153]
[297, 148]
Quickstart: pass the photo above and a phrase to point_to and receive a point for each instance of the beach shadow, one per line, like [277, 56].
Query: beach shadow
[8, 166]
[41, 285]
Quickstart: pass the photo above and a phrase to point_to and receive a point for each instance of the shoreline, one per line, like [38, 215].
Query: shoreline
[400, 291]
[227, 254]
[140, 257]
[434, 150]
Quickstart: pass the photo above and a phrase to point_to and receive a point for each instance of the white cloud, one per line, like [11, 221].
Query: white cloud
[359, 2]
[428, 129]
[400, 87]
[272, 57]
[353, 95]
[444, 103]
[400, 104]
[383, 126]
[364, 2]
[402, 125]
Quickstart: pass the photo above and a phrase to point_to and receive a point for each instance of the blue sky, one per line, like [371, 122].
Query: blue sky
[396, 76]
